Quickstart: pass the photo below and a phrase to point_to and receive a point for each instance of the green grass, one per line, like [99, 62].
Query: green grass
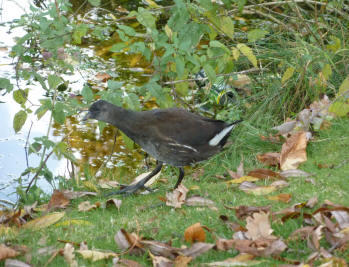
[163, 223]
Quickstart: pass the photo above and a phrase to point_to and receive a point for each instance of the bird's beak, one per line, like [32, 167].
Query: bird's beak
[87, 116]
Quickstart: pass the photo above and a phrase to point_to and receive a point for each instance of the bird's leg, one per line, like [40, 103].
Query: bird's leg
[180, 177]
[133, 188]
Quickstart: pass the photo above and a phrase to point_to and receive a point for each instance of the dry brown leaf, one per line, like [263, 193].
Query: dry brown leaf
[240, 168]
[261, 247]
[7, 252]
[196, 249]
[197, 174]
[143, 175]
[200, 201]
[285, 128]
[279, 184]
[159, 261]
[182, 261]
[107, 184]
[303, 232]
[96, 255]
[293, 151]
[224, 244]
[294, 173]
[195, 233]
[311, 202]
[234, 226]
[258, 226]
[103, 77]
[161, 249]
[244, 211]
[334, 262]
[69, 255]
[44, 221]
[77, 194]
[269, 159]
[86, 206]
[58, 200]
[242, 259]
[116, 202]
[264, 174]
[127, 263]
[233, 174]
[281, 197]
[16, 263]
[177, 197]
[125, 240]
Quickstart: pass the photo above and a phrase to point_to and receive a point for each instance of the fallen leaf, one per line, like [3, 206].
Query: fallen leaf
[264, 247]
[251, 188]
[234, 226]
[197, 174]
[279, 184]
[303, 232]
[143, 175]
[125, 240]
[58, 200]
[200, 201]
[293, 151]
[242, 179]
[240, 168]
[103, 77]
[116, 202]
[128, 263]
[182, 261]
[7, 252]
[195, 233]
[44, 221]
[196, 249]
[159, 261]
[86, 206]
[77, 194]
[281, 197]
[69, 255]
[161, 249]
[285, 128]
[311, 202]
[177, 197]
[242, 259]
[224, 244]
[294, 173]
[72, 222]
[243, 211]
[107, 184]
[269, 159]
[258, 226]
[96, 255]
[264, 174]
[15, 263]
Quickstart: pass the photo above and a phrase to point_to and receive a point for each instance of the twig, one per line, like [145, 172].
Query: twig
[219, 75]
[26, 146]
[346, 161]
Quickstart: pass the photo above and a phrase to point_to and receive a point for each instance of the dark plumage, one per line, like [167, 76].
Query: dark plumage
[173, 136]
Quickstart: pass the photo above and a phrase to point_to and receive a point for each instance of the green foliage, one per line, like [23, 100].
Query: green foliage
[19, 120]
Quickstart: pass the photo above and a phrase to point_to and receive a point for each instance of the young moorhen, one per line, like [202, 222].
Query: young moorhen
[173, 136]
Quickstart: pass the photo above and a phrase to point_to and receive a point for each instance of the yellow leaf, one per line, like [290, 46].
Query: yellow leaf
[281, 198]
[44, 221]
[227, 26]
[243, 179]
[152, 4]
[261, 190]
[95, 255]
[247, 52]
[236, 53]
[72, 222]
[327, 71]
[288, 74]
[90, 186]
[344, 88]
[168, 32]
[339, 108]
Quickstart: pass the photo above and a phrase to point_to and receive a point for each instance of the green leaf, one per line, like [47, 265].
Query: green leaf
[227, 26]
[127, 140]
[326, 71]
[211, 74]
[87, 94]
[117, 47]
[288, 74]
[146, 18]
[339, 108]
[54, 81]
[219, 45]
[335, 45]
[128, 30]
[79, 32]
[344, 88]
[6, 84]
[95, 2]
[19, 120]
[180, 65]
[114, 85]
[182, 88]
[20, 96]
[256, 34]
[132, 101]
[58, 113]
[247, 52]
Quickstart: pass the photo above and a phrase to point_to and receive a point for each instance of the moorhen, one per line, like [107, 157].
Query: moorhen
[173, 136]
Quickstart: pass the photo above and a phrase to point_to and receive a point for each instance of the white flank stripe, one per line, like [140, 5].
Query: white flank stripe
[218, 137]
[183, 146]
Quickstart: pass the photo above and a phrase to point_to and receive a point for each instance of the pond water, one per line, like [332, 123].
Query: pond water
[88, 145]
